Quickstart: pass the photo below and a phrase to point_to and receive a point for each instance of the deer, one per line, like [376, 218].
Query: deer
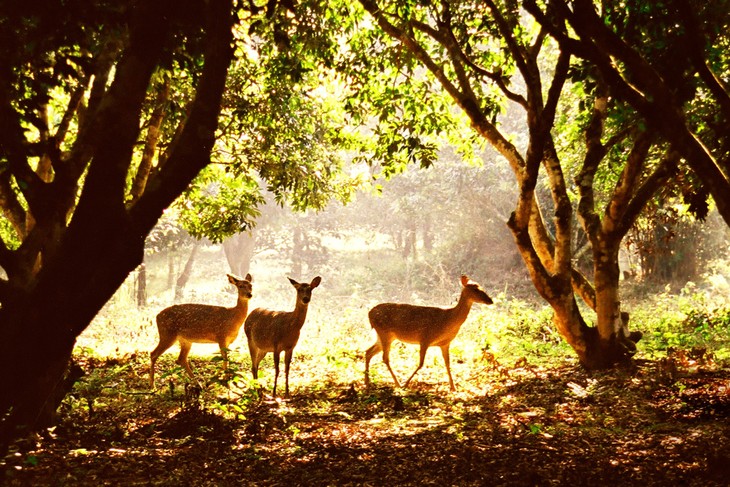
[423, 325]
[201, 323]
[278, 331]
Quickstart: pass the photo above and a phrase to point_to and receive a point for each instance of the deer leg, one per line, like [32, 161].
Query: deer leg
[369, 354]
[255, 359]
[276, 369]
[182, 359]
[165, 343]
[386, 360]
[224, 353]
[447, 362]
[287, 361]
[422, 352]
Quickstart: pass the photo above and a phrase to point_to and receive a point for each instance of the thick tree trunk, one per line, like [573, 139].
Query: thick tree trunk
[606, 277]
[616, 343]
[104, 241]
[40, 330]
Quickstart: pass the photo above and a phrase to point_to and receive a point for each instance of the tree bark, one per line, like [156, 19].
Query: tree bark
[104, 242]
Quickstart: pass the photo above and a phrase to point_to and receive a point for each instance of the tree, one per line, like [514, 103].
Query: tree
[74, 252]
[668, 61]
[482, 62]
[108, 112]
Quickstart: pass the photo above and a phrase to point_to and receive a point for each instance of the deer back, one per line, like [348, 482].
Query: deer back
[426, 324]
[270, 330]
[204, 322]
[279, 330]
[413, 324]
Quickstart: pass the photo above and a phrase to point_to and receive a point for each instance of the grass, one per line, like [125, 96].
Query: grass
[337, 332]
[521, 398]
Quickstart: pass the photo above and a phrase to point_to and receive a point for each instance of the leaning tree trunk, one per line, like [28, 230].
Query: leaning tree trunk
[93, 264]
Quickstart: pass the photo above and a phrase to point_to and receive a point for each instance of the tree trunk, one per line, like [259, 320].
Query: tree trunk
[184, 276]
[69, 292]
[239, 251]
[104, 240]
[141, 286]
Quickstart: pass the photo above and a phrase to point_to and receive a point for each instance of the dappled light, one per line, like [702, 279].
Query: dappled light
[521, 398]
[530, 424]
[305, 242]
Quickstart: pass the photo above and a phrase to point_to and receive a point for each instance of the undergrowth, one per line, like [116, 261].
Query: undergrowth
[507, 335]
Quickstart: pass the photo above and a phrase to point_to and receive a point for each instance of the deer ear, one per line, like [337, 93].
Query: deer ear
[231, 279]
[315, 282]
[249, 278]
[293, 282]
[464, 280]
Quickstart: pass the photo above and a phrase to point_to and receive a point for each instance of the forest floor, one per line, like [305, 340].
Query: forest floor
[662, 423]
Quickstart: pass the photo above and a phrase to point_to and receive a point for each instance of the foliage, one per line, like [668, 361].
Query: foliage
[281, 129]
[405, 113]
[543, 414]
[219, 205]
[694, 319]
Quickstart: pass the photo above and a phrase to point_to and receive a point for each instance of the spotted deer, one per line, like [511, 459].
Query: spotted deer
[278, 331]
[201, 323]
[423, 325]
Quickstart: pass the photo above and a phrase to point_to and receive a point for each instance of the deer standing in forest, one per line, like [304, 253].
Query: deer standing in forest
[424, 325]
[201, 323]
[278, 331]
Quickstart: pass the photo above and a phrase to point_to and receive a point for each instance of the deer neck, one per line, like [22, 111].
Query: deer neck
[241, 308]
[299, 314]
[461, 310]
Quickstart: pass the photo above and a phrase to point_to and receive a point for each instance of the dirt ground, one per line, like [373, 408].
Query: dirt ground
[661, 423]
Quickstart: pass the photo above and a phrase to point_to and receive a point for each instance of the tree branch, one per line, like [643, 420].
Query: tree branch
[519, 54]
[466, 101]
[11, 207]
[696, 43]
[622, 193]
[666, 169]
[192, 152]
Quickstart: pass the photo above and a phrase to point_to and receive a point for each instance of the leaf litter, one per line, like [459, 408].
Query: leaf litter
[524, 425]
